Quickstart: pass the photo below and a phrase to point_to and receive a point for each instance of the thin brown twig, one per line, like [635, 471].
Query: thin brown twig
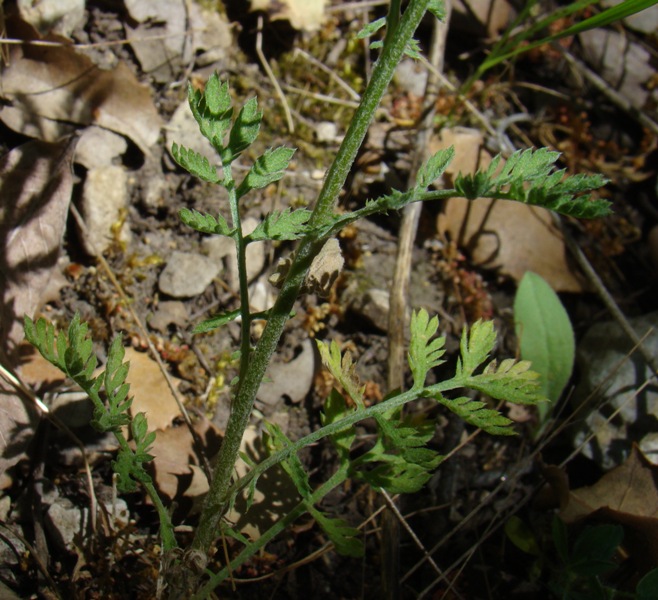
[271, 77]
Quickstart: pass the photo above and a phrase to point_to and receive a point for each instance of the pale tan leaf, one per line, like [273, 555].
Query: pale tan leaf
[55, 86]
[304, 15]
[35, 192]
[152, 395]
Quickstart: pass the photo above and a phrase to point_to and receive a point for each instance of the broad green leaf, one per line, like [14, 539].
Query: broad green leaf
[424, 352]
[281, 225]
[545, 335]
[594, 549]
[646, 589]
[194, 163]
[268, 168]
[205, 223]
[522, 536]
[434, 167]
[244, 131]
[216, 322]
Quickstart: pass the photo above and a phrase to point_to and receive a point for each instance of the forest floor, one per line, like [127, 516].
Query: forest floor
[128, 265]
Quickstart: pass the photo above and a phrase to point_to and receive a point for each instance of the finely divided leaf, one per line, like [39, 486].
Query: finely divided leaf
[335, 408]
[244, 131]
[511, 381]
[343, 369]
[371, 28]
[276, 440]
[217, 97]
[205, 223]
[212, 111]
[438, 9]
[268, 168]
[424, 352]
[477, 414]
[529, 176]
[475, 347]
[343, 536]
[194, 163]
[281, 225]
[434, 167]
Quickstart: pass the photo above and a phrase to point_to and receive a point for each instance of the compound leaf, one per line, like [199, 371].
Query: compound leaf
[424, 352]
[281, 225]
[268, 168]
[244, 131]
[205, 223]
[194, 163]
[434, 167]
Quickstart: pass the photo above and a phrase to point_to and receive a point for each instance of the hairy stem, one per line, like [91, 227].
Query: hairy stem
[216, 500]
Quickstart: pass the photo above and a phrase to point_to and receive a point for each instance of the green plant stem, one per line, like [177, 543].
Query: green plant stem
[281, 525]
[216, 500]
[241, 251]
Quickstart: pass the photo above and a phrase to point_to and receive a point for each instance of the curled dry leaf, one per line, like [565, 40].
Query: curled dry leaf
[49, 88]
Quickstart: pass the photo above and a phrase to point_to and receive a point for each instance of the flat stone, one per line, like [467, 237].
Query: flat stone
[104, 197]
[187, 274]
[169, 312]
[98, 147]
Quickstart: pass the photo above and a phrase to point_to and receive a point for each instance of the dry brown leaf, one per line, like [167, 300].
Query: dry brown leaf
[152, 395]
[508, 236]
[176, 472]
[35, 193]
[304, 15]
[51, 87]
[627, 495]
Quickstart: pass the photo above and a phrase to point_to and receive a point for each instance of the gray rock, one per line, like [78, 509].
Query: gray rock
[104, 197]
[187, 274]
[98, 147]
[58, 16]
[617, 381]
[169, 312]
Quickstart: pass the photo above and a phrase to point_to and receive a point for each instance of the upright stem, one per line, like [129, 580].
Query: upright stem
[217, 498]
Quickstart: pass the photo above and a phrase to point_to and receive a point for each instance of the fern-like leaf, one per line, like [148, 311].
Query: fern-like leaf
[477, 414]
[244, 131]
[194, 163]
[205, 223]
[212, 110]
[529, 176]
[343, 536]
[268, 168]
[511, 381]
[475, 347]
[343, 369]
[281, 225]
[424, 352]
[434, 167]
